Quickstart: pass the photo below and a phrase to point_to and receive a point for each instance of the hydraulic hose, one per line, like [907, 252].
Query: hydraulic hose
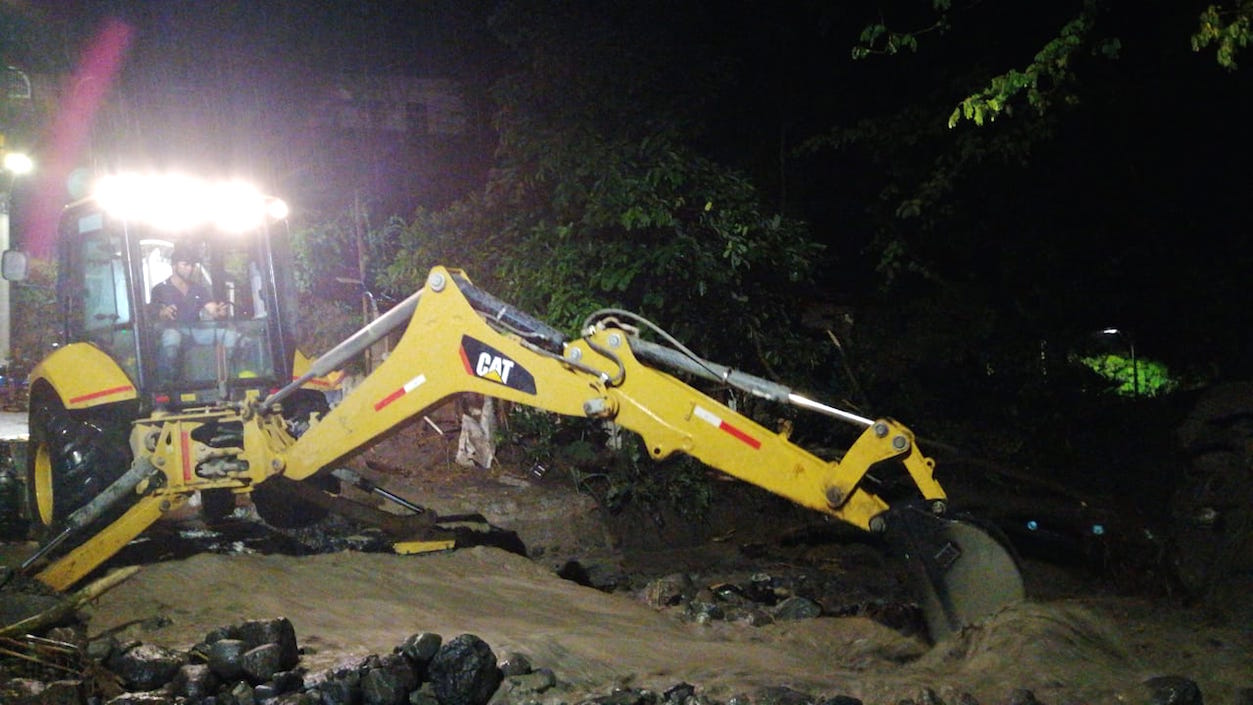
[752, 384]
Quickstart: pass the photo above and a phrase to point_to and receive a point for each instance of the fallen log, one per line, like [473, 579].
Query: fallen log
[69, 604]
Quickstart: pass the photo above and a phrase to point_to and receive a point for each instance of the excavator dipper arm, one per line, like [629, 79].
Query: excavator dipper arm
[459, 339]
[450, 347]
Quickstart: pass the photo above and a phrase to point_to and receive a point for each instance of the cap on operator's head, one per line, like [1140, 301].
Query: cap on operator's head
[185, 252]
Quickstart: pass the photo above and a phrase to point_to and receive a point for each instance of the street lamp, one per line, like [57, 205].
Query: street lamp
[1131, 346]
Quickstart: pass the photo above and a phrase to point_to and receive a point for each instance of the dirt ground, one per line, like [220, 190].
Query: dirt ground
[1074, 641]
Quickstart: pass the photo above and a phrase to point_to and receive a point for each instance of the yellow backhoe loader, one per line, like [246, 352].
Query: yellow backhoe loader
[118, 440]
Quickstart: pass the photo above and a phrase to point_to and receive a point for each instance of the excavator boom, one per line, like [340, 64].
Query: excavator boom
[458, 339]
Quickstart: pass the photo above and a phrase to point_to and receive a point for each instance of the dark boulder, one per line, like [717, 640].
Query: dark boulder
[277, 631]
[225, 658]
[148, 666]
[464, 672]
[797, 608]
[262, 662]
[420, 649]
[195, 681]
[390, 682]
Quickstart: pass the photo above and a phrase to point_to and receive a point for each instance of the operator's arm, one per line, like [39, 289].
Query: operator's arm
[164, 301]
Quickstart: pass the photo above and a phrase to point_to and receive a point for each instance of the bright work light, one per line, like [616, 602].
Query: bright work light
[175, 203]
[18, 163]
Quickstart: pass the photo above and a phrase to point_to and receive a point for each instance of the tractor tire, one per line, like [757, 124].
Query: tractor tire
[72, 457]
[1212, 508]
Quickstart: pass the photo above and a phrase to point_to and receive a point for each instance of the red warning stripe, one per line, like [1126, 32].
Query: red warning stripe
[403, 390]
[716, 421]
[185, 451]
[102, 393]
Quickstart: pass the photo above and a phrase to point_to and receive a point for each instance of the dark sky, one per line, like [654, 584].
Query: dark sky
[421, 36]
[1138, 195]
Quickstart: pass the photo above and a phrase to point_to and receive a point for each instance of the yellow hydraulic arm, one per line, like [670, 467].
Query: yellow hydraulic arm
[453, 345]
[459, 339]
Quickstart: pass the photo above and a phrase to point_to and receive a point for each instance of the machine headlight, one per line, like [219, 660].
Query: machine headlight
[18, 163]
[174, 203]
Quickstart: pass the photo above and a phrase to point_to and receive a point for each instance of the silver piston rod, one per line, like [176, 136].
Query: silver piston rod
[522, 324]
[752, 384]
[354, 345]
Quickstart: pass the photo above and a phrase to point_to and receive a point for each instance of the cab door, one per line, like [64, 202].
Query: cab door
[95, 275]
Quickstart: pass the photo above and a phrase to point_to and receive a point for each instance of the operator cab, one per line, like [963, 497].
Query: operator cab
[110, 261]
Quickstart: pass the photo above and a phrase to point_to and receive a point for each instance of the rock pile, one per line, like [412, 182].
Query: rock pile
[764, 599]
[257, 662]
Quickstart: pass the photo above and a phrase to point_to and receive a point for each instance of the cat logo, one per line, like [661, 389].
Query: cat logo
[486, 362]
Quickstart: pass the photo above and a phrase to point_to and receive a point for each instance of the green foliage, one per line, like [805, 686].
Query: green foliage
[599, 199]
[324, 323]
[464, 235]
[336, 260]
[920, 170]
[1132, 377]
[592, 222]
[34, 305]
[341, 246]
[1044, 80]
[651, 226]
[609, 464]
[1228, 28]
[878, 38]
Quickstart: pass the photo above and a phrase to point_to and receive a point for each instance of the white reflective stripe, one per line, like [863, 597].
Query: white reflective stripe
[414, 383]
[404, 389]
[708, 417]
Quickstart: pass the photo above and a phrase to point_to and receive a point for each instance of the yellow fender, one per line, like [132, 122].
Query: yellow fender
[84, 376]
[326, 383]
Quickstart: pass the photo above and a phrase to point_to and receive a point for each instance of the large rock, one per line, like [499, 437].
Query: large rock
[796, 607]
[195, 681]
[420, 649]
[271, 631]
[148, 666]
[262, 662]
[390, 682]
[343, 688]
[464, 672]
[225, 658]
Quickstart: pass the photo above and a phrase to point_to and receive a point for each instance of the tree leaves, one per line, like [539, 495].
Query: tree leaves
[1229, 29]
[1042, 81]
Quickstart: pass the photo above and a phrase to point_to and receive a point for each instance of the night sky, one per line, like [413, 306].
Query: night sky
[1131, 211]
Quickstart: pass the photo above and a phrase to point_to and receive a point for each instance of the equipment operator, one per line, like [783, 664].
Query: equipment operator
[180, 301]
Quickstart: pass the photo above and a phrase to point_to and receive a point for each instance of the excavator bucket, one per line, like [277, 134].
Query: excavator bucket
[962, 573]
